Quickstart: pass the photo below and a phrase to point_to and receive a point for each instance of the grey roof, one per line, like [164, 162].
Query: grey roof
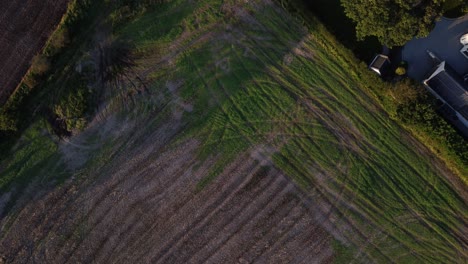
[449, 86]
[379, 61]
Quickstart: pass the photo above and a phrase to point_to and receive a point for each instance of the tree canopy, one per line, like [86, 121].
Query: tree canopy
[393, 22]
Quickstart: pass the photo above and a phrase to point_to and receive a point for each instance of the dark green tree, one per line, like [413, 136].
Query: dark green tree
[393, 22]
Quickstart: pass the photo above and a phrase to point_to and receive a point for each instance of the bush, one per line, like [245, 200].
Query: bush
[400, 71]
[7, 123]
[465, 9]
[30, 81]
[416, 107]
[72, 109]
[60, 39]
[406, 92]
[40, 65]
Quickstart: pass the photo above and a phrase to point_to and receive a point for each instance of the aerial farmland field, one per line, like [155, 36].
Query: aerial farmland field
[25, 27]
[240, 136]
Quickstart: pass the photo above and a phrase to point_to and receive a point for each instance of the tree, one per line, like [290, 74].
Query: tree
[393, 22]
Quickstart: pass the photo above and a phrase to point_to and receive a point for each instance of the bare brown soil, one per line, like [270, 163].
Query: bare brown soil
[149, 211]
[25, 26]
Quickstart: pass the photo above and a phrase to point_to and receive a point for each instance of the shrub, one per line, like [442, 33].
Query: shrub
[60, 39]
[400, 71]
[72, 109]
[465, 9]
[7, 123]
[406, 92]
[416, 107]
[30, 81]
[40, 65]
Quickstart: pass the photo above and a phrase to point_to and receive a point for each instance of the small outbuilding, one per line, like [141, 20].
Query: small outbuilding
[380, 64]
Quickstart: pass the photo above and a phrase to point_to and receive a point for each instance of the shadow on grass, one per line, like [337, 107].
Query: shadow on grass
[453, 8]
[331, 13]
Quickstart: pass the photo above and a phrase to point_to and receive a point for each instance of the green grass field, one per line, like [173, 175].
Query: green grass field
[247, 76]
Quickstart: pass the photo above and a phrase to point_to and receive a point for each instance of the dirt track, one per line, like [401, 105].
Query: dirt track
[25, 26]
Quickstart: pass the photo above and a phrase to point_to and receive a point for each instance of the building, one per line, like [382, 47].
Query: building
[447, 86]
[464, 51]
[380, 64]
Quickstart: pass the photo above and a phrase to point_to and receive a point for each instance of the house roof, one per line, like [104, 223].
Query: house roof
[450, 87]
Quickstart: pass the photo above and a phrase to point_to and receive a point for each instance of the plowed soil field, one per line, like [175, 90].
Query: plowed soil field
[150, 211]
[25, 26]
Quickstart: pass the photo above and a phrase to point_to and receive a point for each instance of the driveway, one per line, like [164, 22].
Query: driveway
[444, 41]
